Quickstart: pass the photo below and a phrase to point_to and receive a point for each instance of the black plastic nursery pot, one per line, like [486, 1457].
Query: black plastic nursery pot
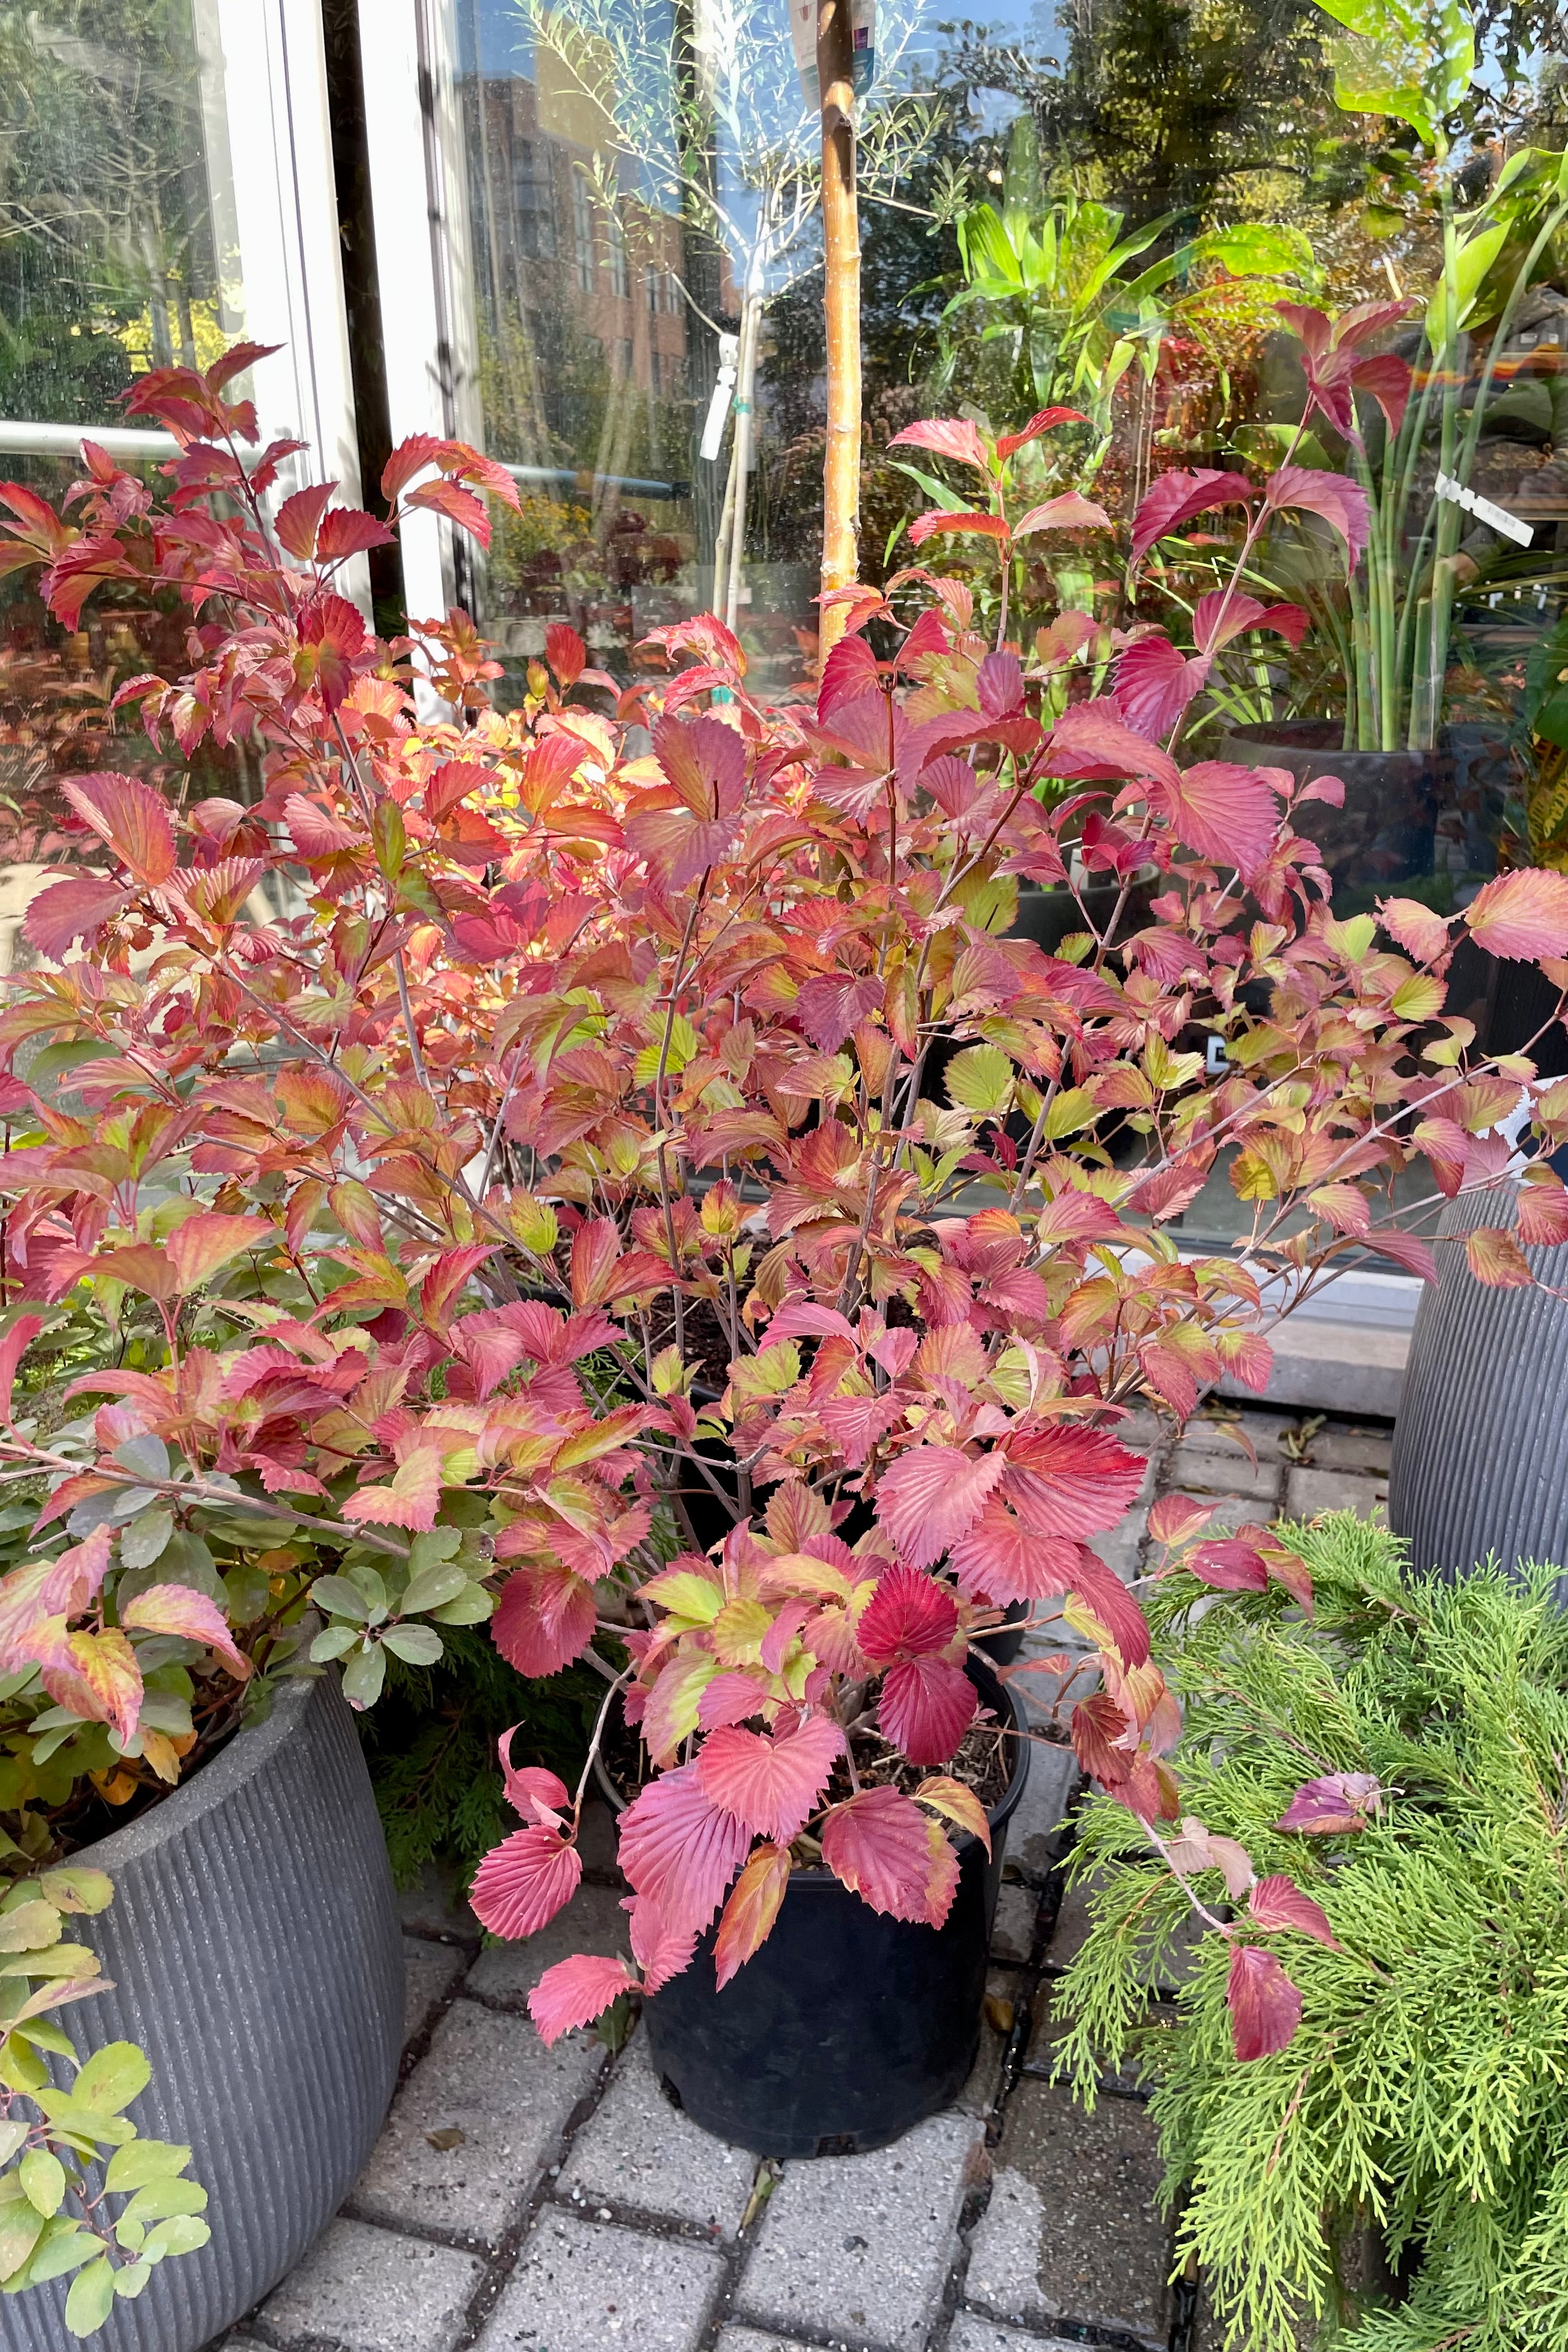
[253, 1949]
[1386, 831]
[846, 2028]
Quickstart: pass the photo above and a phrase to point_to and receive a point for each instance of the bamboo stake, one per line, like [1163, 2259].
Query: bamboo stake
[745, 393]
[841, 304]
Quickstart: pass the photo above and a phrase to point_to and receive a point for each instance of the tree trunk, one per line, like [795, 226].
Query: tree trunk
[841, 301]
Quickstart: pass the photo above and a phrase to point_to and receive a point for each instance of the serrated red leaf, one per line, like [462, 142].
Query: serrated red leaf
[1339, 1802]
[73, 910]
[543, 1619]
[409, 1500]
[770, 1784]
[1067, 1480]
[1495, 1259]
[349, 530]
[565, 651]
[749, 1915]
[1276, 1903]
[925, 1708]
[1107, 1611]
[834, 1004]
[908, 1616]
[575, 1991]
[297, 516]
[946, 437]
[1542, 1221]
[1417, 929]
[1044, 420]
[194, 1616]
[459, 506]
[680, 1847]
[1342, 503]
[1264, 2006]
[130, 817]
[879, 1844]
[524, 1882]
[961, 518]
[1520, 916]
[1176, 498]
[1230, 1565]
[1155, 682]
[13, 1347]
[1071, 511]
[932, 1495]
[1229, 815]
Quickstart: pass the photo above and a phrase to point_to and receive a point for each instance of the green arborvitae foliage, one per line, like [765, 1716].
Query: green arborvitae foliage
[1424, 2099]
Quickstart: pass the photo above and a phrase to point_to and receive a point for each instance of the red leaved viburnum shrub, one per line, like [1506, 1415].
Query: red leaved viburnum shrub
[514, 1138]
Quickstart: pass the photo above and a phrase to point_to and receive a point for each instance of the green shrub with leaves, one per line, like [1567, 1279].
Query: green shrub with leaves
[1424, 2094]
[79, 2191]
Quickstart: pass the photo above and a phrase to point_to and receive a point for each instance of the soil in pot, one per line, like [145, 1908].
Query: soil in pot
[846, 2028]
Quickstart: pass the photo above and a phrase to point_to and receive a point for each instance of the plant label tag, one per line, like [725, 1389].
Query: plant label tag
[1497, 518]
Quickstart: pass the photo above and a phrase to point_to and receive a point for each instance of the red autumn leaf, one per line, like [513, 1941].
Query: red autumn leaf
[595, 1247]
[932, 1495]
[1276, 1902]
[1002, 1559]
[704, 763]
[178, 1609]
[1289, 1568]
[1195, 1850]
[1176, 498]
[1418, 930]
[130, 817]
[1228, 814]
[565, 651]
[908, 1616]
[879, 1844]
[459, 506]
[1155, 684]
[334, 631]
[1218, 617]
[1342, 503]
[575, 1991]
[410, 457]
[34, 1624]
[1174, 1517]
[524, 1880]
[732, 1697]
[1071, 1481]
[749, 1915]
[849, 673]
[661, 1950]
[1170, 1192]
[680, 1847]
[1543, 1210]
[297, 516]
[770, 1784]
[1407, 1250]
[1044, 420]
[1519, 916]
[1092, 741]
[1100, 1605]
[1231, 1565]
[1496, 1260]
[956, 1803]
[1339, 1801]
[13, 1347]
[543, 1619]
[925, 1708]
[1071, 511]
[945, 437]
[207, 1241]
[100, 1681]
[961, 519]
[834, 1004]
[349, 530]
[1264, 2006]
[68, 912]
[410, 1498]
[530, 1788]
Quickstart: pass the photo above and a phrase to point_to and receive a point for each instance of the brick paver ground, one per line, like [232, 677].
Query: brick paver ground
[526, 2200]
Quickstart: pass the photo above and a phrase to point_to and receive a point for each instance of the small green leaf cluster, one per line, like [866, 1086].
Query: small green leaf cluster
[387, 1605]
[80, 2191]
[1423, 2098]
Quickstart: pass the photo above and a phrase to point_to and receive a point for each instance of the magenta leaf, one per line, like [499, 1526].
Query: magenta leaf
[1264, 2006]
[1339, 1801]
[1177, 497]
[681, 1848]
[882, 1846]
[575, 1991]
[525, 1880]
[1274, 1902]
[771, 1785]
[1341, 502]
[926, 1707]
[931, 1496]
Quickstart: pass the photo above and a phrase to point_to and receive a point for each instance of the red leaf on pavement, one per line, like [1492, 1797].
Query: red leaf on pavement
[1154, 683]
[1341, 1801]
[1518, 916]
[575, 1991]
[524, 1880]
[1264, 2006]
[932, 1494]
[681, 1848]
[130, 817]
[1176, 498]
[1071, 1481]
[750, 1913]
[1496, 1259]
[926, 1707]
[772, 1784]
[543, 1619]
[178, 1609]
[1231, 1565]
[879, 1844]
[908, 1616]
[1276, 1902]
[944, 437]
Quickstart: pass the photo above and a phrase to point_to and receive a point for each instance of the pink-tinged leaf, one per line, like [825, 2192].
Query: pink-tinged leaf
[575, 1991]
[681, 1848]
[594, 1249]
[349, 530]
[410, 1500]
[459, 506]
[849, 673]
[1264, 2006]
[1218, 617]
[945, 437]
[1228, 814]
[524, 1882]
[13, 1347]
[705, 761]
[1247, 1357]
[770, 1784]
[130, 817]
[908, 1616]
[1407, 1250]
[178, 1609]
[1519, 915]
[1002, 1559]
[1385, 378]
[68, 912]
[879, 1844]
[1340, 1801]
[1100, 1606]
[963, 518]
[530, 1788]
[749, 1915]
[1329, 789]
[1341, 502]
[543, 1619]
[1073, 1216]
[802, 1319]
[1170, 1192]
[101, 1682]
[957, 1805]
[1418, 930]
[1274, 1902]
[333, 632]
[732, 1697]
[831, 1006]
[1496, 1259]
[1195, 1850]
[1044, 420]
[1289, 1568]
[208, 1240]
[76, 1577]
[926, 1707]
[1071, 1481]
[1177, 498]
[33, 1632]
[1542, 1211]
[1092, 741]
[932, 1494]
[661, 1950]
[1071, 511]
[297, 518]
[1345, 1207]
[1230, 1565]
[1174, 1517]
[1155, 684]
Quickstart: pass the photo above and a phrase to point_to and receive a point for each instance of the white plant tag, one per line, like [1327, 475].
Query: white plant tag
[1496, 517]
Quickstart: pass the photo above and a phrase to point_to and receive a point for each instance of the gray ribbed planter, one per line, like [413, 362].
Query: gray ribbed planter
[256, 1954]
[1480, 1447]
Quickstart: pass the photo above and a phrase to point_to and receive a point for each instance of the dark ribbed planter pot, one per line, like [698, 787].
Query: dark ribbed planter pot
[1480, 1447]
[1386, 831]
[254, 1953]
[846, 2028]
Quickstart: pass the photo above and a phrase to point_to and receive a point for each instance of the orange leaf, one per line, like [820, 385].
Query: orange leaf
[945, 1795]
[197, 1248]
[102, 1682]
[130, 817]
[749, 1915]
[1495, 1259]
[178, 1609]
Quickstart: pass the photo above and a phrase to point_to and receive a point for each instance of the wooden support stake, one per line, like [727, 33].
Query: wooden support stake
[841, 304]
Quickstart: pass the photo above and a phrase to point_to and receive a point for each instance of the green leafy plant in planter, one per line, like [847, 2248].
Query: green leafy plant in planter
[1374, 1799]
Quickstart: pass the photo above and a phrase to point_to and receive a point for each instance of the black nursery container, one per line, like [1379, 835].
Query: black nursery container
[846, 2028]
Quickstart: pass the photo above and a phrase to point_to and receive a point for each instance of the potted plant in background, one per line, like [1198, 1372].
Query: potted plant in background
[583, 1074]
[1357, 2081]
